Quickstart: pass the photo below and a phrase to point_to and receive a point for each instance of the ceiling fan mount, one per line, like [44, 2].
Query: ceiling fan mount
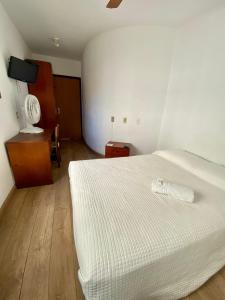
[114, 3]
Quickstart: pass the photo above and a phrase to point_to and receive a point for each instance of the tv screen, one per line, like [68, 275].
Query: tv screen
[22, 70]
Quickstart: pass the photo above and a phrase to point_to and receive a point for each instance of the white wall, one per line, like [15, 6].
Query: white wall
[194, 117]
[169, 103]
[13, 94]
[61, 66]
[125, 74]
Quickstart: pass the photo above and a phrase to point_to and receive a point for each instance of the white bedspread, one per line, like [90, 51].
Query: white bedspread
[135, 245]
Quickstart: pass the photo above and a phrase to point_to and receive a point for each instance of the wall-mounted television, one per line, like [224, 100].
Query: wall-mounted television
[22, 70]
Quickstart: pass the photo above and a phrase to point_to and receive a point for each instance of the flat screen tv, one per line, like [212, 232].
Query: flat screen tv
[22, 70]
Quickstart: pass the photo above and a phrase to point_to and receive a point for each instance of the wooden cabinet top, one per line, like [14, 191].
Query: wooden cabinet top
[118, 144]
[31, 138]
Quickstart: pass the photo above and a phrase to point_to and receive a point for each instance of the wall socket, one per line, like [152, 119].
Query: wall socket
[112, 119]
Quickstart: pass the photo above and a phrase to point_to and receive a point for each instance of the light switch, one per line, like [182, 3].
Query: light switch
[112, 119]
[125, 120]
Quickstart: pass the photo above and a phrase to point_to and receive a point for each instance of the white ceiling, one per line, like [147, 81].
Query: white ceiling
[76, 21]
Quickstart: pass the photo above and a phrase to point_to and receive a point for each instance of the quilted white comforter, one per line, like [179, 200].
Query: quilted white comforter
[135, 245]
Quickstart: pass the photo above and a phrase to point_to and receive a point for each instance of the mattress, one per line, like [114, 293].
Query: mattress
[133, 244]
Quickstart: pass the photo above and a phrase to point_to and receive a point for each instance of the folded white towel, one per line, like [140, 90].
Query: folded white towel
[176, 191]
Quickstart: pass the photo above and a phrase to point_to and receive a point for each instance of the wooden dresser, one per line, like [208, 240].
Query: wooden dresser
[116, 149]
[30, 158]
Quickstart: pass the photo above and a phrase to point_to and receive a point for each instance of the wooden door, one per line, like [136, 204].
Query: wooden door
[68, 99]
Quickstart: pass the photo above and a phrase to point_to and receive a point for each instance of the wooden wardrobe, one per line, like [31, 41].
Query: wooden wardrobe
[43, 89]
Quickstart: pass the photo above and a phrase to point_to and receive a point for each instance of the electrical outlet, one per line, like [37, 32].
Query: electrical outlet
[112, 119]
[125, 120]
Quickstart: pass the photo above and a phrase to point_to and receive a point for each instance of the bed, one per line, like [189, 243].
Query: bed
[133, 244]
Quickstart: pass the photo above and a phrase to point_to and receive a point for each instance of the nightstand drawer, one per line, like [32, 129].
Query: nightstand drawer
[114, 149]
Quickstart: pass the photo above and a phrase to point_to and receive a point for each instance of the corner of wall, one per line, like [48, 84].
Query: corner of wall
[158, 145]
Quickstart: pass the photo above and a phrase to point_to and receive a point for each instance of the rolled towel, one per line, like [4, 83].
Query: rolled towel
[173, 190]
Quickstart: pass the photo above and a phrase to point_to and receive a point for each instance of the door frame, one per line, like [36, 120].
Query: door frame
[79, 78]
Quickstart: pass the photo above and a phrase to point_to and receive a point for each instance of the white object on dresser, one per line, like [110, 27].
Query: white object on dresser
[32, 112]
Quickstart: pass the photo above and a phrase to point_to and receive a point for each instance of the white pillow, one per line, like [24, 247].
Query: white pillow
[205, 169]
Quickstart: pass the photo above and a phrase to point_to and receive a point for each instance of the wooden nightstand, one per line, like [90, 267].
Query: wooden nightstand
[115, 149]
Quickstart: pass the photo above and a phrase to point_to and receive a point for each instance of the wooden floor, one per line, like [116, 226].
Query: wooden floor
[37, 255]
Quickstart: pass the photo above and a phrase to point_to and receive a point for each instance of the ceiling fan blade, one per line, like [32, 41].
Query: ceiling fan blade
[114, 3]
